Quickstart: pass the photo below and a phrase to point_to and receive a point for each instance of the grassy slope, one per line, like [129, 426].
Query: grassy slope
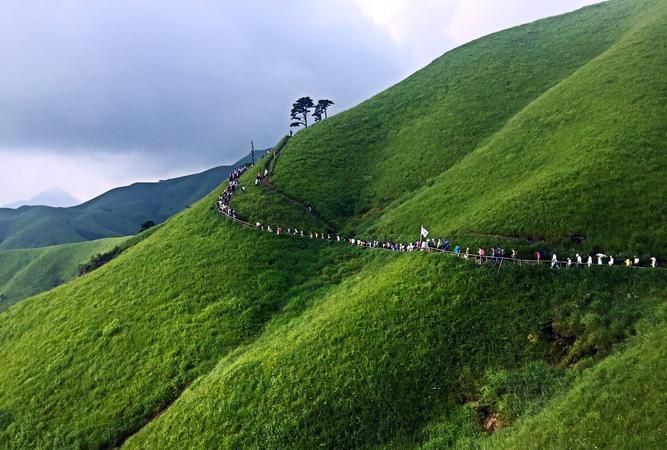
[122, 342]
[119, 212]
[376, 360]
[273, 342]
[544, 131]
[27, 272]
[620, 404]
[587, 158]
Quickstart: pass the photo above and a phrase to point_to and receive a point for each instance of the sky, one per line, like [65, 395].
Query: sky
[96, 94]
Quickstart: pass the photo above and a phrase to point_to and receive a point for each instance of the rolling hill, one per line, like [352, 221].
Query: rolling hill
[119, 212]
[546, 131]
[209, 335]
[26, 272]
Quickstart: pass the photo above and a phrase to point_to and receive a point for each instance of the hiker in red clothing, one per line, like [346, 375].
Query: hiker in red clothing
[538, 256]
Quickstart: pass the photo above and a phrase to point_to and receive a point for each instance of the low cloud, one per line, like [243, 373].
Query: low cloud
[155, 88]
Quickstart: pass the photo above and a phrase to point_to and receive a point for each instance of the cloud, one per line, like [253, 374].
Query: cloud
[176, 79]
[165, 87]
[84, 177]
[474, 19]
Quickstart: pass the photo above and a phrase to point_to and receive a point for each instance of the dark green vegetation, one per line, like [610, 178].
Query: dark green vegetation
[119, 212]
[27, 272]
[208, 335]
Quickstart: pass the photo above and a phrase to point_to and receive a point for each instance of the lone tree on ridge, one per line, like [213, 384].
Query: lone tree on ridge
[321, 108]
[300, 110]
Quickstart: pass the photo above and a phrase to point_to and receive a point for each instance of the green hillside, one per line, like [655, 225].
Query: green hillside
[209, 335]
[544, 131]
[27, 272]
[119, 212]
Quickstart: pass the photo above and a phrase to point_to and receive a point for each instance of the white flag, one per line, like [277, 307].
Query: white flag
[424, 232]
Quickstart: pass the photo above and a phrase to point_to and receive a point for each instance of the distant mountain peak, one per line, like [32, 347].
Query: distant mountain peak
[54, 196]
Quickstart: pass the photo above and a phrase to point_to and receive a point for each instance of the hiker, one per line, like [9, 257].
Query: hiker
[654, 262]
[611, 260]
[590, 261]
[578, 259]
[493, 254]
[569, 262]
[482, 254]
[266, 172]
[538, 256]
[554, 261]
[457, 250]
[628, 263]
[636, 261]
[600, 256]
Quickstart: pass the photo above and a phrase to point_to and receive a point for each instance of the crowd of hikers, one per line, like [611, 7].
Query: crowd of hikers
[495, 254]
[226, 197]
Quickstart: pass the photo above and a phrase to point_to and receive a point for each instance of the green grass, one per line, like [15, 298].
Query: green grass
[122, 342]
[587, 158]
[208, 335]
[618, 404]
[374, 361]
[547, 130]
[27, 272]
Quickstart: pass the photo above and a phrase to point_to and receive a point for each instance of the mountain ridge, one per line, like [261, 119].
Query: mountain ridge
[116, 213]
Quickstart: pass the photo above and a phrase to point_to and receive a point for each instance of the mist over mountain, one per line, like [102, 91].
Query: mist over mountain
[55, 197]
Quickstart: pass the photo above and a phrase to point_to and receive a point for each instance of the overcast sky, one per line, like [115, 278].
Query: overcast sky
[95, 94]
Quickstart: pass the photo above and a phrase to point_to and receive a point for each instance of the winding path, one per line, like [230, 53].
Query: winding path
[229, 214]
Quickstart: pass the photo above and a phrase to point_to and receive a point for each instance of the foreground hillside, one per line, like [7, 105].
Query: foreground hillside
[209, 335]
[119, 212]
[287, 343]
[27, 272]
[546, 131]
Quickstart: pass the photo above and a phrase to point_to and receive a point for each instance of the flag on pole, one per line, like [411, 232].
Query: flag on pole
[424, 232]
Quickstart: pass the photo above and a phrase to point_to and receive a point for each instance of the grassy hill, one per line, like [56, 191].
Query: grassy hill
[27, 272]
[208, 335]
[544, 131]
[119, 212]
